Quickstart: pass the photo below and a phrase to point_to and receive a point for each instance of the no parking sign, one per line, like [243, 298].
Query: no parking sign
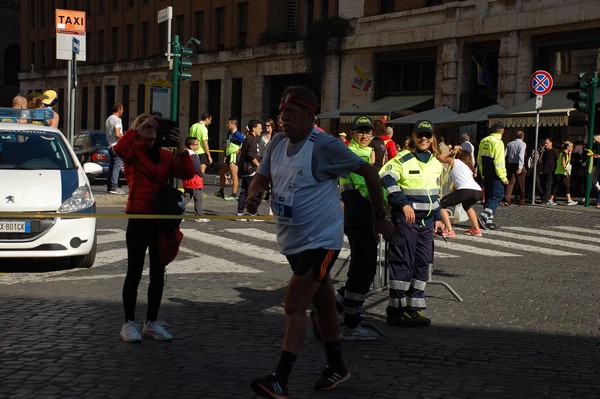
[540, 82]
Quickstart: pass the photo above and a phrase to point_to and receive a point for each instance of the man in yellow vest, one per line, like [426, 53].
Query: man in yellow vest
[412, 182]
[492, 168]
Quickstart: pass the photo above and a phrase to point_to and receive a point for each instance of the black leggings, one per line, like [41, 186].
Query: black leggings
[467, 197]
[142, 234]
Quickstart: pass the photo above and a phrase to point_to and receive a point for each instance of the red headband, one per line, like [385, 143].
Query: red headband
[302, 103]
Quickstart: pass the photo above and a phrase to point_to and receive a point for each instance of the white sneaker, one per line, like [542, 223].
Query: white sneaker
[358, 333]
[117, 191]
[241, 219]
[572, 203]
[598, 185]
[130, 332]
[155, 330]
[255, 220]
[201, 220]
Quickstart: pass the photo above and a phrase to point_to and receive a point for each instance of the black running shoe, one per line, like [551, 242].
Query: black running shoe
[331, 378]
[220, 194]
[482, 222]
[269, 387]
[491, 226]
[417, 315]
[401, 317]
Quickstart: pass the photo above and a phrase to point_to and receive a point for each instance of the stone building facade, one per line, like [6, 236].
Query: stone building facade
[465, 54]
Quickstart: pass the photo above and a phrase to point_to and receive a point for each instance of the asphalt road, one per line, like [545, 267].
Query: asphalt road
[528, 325]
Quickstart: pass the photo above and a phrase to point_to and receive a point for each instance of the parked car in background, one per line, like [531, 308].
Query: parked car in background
[92, 146]
[39, 173]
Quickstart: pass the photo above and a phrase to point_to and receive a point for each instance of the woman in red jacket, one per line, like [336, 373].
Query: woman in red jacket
[147, 169]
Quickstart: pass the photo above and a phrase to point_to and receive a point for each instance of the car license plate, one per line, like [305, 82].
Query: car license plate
[15, 226]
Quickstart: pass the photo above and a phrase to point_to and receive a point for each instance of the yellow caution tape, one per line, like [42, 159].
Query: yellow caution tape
[52, 215]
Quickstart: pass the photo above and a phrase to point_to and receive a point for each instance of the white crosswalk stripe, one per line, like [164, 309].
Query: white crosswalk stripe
[233, 243]
[559, 238]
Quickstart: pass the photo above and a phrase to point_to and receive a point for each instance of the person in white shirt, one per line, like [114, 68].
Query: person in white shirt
[466, 190]
[114, 131]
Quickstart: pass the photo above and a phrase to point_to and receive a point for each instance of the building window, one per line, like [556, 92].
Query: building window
[115, 44]
[236, 99]
[31, 16]
[97, 105]
[324, 8]
[199, 33]
[84, 107]
[42, 12]
[292, 16]
[115, 5]
[125, 100]
[144, 39]
[180, 27]
[32, 55]
[243, 25]
[386, 6]
[129, 48]
[407, 76]
[309, 11]
[88, 51]
[141, 98]
[100, 7]
[220, 29]
[43, 54]
[434, 2]
[100, 46]
[161, 39]
[53, 56]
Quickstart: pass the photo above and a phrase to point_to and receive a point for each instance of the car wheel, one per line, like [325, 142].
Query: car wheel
[85, 261]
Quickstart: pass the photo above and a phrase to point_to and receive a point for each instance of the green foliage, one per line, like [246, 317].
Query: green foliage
[318, 37]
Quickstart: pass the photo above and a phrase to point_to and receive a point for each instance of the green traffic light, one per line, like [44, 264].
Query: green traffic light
[186, 63]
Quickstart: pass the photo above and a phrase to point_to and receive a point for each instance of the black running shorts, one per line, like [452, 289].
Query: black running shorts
[319, 260]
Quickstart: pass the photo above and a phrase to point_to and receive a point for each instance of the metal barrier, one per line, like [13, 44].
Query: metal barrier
[380, 282]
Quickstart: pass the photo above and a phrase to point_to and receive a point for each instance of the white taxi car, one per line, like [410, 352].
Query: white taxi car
[39, 172]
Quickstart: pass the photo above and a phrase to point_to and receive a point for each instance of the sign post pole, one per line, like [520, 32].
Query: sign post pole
[538, 106]
[592, 116]
[540, 83]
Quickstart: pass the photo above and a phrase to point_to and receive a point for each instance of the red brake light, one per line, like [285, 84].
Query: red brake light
[99, 157]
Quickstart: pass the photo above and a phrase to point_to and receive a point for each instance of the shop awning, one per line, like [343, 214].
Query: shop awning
[555, 111]
[336, 113]
[476, 116]
[384, 106]
[435, 115]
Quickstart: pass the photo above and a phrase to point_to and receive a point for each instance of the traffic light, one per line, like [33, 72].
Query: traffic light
[186, 63]
[581, 97]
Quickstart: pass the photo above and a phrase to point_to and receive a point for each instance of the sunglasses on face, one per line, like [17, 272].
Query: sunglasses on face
[427, 135]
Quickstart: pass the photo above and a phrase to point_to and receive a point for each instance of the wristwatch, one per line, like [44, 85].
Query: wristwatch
[379, 214]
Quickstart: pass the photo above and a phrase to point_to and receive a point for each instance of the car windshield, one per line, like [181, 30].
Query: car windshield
[34, 150]
[87, 140]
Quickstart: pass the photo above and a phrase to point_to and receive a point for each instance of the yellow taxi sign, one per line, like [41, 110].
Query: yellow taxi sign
[70, 21]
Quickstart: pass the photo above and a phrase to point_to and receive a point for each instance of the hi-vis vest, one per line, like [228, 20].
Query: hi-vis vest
[418, 182]
[355, 181]
[491, 156]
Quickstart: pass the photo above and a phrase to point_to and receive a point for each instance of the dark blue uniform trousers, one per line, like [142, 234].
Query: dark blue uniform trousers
[409, 254]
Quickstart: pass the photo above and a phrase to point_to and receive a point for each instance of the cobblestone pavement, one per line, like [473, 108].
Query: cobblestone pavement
[528, 326]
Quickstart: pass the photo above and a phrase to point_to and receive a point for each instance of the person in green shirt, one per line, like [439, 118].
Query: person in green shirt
[199, 130]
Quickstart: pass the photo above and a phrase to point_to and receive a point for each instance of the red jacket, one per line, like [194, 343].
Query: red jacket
[144, 177]
[390, 146]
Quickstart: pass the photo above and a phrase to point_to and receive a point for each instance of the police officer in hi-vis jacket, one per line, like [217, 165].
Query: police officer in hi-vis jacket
[412, 182]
